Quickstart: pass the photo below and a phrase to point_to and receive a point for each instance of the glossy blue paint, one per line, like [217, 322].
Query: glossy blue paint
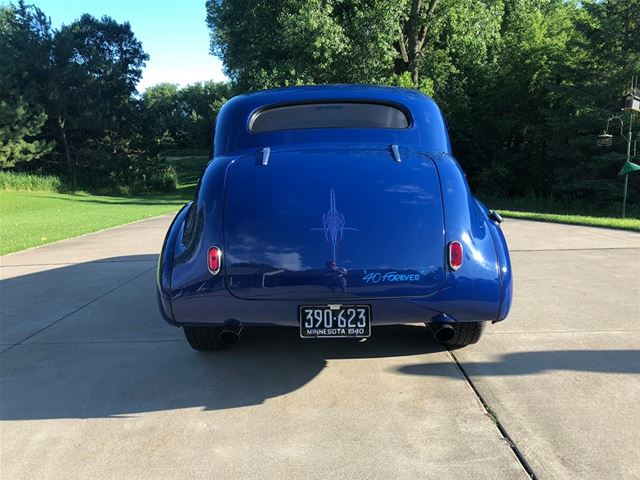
[333, 217]
[504, 263]
[320, 218]
[427, 130]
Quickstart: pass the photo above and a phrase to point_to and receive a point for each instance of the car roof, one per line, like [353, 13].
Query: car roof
[427, 128]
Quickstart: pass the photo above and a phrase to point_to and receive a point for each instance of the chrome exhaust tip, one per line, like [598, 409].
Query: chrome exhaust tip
[230, 334]
[443, 332]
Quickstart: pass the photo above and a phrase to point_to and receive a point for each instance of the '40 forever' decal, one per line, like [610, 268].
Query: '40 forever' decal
[390, 277]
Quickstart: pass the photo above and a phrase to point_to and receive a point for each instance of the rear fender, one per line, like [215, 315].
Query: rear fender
[504, 263]
[165, 264]
[202, 228]
[471, 293]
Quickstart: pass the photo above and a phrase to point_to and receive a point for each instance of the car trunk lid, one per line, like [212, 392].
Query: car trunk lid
[333, 224]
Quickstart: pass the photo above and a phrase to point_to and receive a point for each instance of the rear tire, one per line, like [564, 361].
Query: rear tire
[204, 339]
[466, 333]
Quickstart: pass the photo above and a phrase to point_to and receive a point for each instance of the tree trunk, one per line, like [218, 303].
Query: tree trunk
[65, 143]
[413, 35]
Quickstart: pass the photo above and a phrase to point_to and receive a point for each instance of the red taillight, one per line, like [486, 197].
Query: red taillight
[215, 260]
[455, 255]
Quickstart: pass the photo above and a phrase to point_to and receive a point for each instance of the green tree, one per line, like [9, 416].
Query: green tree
[593, 84]
[162, 116]
[413, 34]
[501, 128]
[97, 64]
[182, 117]
[201, 103]
[18, 129]
[25, 42]
[289, 42]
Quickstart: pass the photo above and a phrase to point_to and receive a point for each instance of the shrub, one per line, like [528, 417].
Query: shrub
[164, 180]
[12, 181]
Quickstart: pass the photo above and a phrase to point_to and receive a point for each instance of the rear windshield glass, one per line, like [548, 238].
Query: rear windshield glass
[329, 115]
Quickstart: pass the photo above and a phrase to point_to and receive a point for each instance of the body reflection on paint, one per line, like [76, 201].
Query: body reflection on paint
[336, 277]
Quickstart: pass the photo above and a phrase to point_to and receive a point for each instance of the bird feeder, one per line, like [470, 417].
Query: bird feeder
[604, 140]
[632, 103]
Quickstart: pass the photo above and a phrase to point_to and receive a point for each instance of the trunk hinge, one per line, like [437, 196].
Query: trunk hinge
[396, 153]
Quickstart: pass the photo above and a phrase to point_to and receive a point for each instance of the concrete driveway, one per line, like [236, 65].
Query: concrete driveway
[93, 384]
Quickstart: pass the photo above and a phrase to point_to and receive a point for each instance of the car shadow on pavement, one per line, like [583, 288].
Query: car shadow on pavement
[124, 379]
[536, 362]
[91, 344]
[115, 356]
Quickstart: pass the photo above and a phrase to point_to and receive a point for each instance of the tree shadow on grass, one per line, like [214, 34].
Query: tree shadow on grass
[170, 199]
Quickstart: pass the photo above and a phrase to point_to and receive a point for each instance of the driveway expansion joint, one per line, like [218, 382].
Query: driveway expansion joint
[521, 459]
[102, 342]
[67, 315]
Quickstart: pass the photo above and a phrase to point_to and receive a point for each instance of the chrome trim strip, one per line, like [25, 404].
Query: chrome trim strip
[396, 153]
[266, 152]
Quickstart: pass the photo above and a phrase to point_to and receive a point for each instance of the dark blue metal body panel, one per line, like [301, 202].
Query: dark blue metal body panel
[330, 213]
[504, 263]
[165, 265]
[381, 214]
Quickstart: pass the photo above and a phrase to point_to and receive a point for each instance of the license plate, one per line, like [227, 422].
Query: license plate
[335, 321]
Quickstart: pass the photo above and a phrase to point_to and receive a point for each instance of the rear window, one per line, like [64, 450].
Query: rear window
[329, 115]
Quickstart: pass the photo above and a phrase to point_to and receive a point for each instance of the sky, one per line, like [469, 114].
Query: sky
[173, 32]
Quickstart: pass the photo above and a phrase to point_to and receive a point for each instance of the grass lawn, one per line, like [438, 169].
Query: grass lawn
[29, 219]
[573, 213]
[608, 222]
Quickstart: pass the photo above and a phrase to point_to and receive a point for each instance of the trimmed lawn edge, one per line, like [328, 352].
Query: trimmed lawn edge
[628, 224]
[46, 244]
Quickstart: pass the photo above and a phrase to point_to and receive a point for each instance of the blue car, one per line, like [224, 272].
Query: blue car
[333, 209]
